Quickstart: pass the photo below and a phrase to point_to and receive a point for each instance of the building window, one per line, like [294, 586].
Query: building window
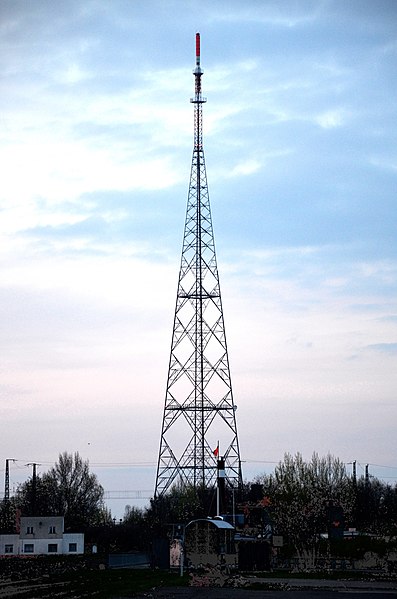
[29, 530]
[8, 548]
[51, 530]
[52, 548]
[72, 547]
[28, 548]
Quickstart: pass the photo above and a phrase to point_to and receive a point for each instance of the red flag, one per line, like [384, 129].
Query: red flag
[216, 451]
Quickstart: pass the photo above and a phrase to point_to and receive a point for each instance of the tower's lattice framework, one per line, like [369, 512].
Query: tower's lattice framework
[199, 418]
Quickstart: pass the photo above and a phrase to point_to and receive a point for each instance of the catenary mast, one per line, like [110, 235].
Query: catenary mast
[199, 421]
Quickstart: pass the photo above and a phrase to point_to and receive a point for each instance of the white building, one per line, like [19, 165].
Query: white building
[42, 535]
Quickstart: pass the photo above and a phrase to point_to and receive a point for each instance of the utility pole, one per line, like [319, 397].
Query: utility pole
[354, 472]
[355, 508]
[199, 407]
[34, 487]
[7, 479]
[6, 519]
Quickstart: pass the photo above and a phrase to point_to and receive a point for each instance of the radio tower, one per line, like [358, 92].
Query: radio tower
[199, 422]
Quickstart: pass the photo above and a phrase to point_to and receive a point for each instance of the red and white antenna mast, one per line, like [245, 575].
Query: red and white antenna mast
[197, 73]
[197, 50]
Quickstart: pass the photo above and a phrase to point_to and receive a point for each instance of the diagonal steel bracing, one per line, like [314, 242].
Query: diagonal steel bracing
[199, 409]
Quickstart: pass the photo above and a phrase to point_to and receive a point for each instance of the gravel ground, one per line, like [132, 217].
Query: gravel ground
[278, 588]
[302, 593]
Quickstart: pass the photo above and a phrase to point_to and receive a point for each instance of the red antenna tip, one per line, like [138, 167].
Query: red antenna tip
[197, 45]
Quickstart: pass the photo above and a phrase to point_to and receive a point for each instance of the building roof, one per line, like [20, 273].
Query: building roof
[217, 523]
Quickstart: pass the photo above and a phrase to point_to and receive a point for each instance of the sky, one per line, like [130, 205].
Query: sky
[96, 137]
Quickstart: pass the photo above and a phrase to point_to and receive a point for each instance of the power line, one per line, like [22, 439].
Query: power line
[258, 462]
[96, 464]
[129, 494]
[22, 464]
[122, 464]
[383, 466]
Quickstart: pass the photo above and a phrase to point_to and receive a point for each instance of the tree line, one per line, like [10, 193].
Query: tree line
[68, 489]
[312, 500]
[301, 501]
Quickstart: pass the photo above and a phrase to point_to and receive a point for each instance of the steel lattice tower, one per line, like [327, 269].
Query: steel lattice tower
[199, 412]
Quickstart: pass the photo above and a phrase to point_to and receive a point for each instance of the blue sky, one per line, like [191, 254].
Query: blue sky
[300, 144]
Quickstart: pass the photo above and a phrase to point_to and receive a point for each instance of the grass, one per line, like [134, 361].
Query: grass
[99, 584]
[110, 583]
[65, 578]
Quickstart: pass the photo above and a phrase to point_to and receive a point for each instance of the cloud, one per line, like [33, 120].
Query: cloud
[96, 151]
[331, 119]
[245, 168]
[390, 318]
[384, 162]
[272, 14]
[384, 348]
